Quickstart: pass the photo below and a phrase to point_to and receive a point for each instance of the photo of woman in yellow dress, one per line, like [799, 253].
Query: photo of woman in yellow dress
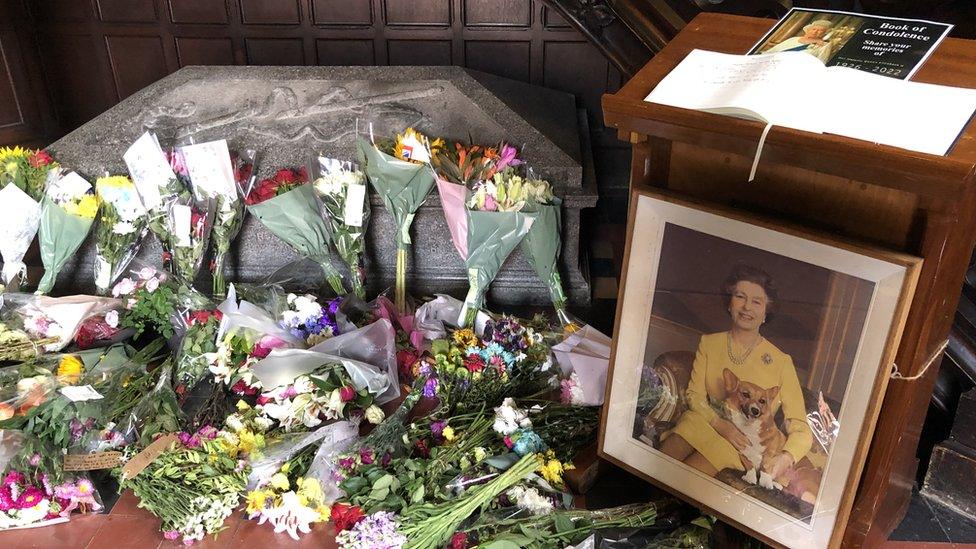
[704, 437]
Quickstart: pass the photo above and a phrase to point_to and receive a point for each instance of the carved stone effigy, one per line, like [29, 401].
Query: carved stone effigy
[287, 113]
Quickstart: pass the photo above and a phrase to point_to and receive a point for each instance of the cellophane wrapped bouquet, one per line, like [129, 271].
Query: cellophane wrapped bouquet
[341, 186]
[67, 213]
[122, 222]
[23, 175]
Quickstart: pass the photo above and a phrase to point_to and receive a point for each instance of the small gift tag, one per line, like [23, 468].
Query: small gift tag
[182, 218]
[149, 168]
[70, 184]
[80, 393]
[210, 169]
[414, 150]
[142, 460]
[355, 197]
[92, 462]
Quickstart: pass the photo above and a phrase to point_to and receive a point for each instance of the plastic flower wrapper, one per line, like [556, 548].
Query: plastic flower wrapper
[399, 171]
[197, 333]
[342, 188]
[373, 344]
[218, 175]
[583, 357]
[161, 180]
[49, 322]
[291, 486]
[20, 217]
[309, 387]
[483, 236]
[543, 244]
[287, 205]
[247, 334]
[67, 212]
[121, 225]
[158, 412]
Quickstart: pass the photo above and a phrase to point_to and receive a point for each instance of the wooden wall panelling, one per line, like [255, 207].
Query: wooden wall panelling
[127, 11]
[419, 52]
[204, 51]
[270, 12]
[345, 52]
[508, 59]
[342, 12]
[136, 62]
[26, 115]
[275, 51]
[501, 13]
[418, 13]
[198, 12]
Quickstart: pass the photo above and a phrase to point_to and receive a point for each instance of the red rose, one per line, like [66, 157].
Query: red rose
[284, 175]
[347, 393]
[421, 449]
[39, 159]
[405, 359]
[459, 541]
[345, 516]
[167, 257]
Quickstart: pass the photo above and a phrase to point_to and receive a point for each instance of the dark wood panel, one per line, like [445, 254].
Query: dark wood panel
[508, 59]
[586, 76]
[342, 12]
[419, 52]
[553, 20]
[345, 52]
[78, 86]
[198, 11]
[275, 51]
[11, 111]
[501, 13]
[431, 13]
[136, 61]
[204, 51]
[127, 11]
[61, 10]
[270, 12]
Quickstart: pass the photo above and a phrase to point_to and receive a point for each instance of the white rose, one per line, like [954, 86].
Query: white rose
[375, 415]
[146, 273]
[112, 318]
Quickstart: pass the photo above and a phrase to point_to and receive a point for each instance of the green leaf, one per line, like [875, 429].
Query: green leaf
[563, 524]
[502, 544]
[354, 485]
[385, 481]
[418, 495]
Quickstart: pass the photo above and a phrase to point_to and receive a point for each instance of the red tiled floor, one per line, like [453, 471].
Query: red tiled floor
[125, 532]
[74, 534]
[128, 505]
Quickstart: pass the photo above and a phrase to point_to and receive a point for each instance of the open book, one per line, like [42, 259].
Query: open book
[795, 90]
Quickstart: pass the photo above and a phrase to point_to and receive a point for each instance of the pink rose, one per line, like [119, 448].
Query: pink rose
[146, 273]
[124, 287]
[347, 393]
[151, 285]
[112, 318]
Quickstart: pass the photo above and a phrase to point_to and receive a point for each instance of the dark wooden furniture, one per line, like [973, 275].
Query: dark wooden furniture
[916, 203]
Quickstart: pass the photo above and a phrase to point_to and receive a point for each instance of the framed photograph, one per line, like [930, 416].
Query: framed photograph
[749, 364]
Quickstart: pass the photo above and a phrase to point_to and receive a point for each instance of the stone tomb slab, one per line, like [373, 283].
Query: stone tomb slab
[287, 113]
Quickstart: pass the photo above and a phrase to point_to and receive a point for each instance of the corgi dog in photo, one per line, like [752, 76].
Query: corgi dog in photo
[750, 408]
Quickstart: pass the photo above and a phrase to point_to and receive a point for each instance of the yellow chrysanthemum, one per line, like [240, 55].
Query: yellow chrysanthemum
[279, 481]
[448, 433]
[242, 406]
[69, 370]
[256, 500]
[87, 206]
[325, 512]
[17, 153]
[465, 338]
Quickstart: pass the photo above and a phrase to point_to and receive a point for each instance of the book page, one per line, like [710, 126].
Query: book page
[920, 117]
[773, 88]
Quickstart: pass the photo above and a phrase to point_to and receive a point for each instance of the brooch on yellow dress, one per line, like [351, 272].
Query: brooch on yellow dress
[767, 359]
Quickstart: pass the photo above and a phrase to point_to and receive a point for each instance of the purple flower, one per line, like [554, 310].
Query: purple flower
[35, 460]
[334, 306]
[347, 463]
[437, 428]
[366, 456]
[6, 500]
[387, 459]
[430, 387]
[507, 157]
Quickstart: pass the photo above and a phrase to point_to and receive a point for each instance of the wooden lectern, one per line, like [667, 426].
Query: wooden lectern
[912, 202]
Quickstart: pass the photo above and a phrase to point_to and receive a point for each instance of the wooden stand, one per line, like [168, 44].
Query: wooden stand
[916, 203]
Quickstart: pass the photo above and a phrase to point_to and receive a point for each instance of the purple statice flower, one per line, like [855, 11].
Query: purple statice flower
[430, 387]
[437, 428]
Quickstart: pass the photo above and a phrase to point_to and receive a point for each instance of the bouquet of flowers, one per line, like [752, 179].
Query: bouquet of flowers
[161, 180]
[121, 225]
[286, 204]
[197, 342]
[23, 174]
[191, 501]
[309, 321]
[217, 175]
[485, 227]
[326, 393]
[149, 302]
[342, 188]
[50, 323]
[543, 243]
[399, 171]
[67, 213]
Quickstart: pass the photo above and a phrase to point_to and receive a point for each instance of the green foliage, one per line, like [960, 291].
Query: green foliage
[152, 311]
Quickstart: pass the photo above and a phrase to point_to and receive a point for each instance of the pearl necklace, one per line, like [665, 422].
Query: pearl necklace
[740, 360]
